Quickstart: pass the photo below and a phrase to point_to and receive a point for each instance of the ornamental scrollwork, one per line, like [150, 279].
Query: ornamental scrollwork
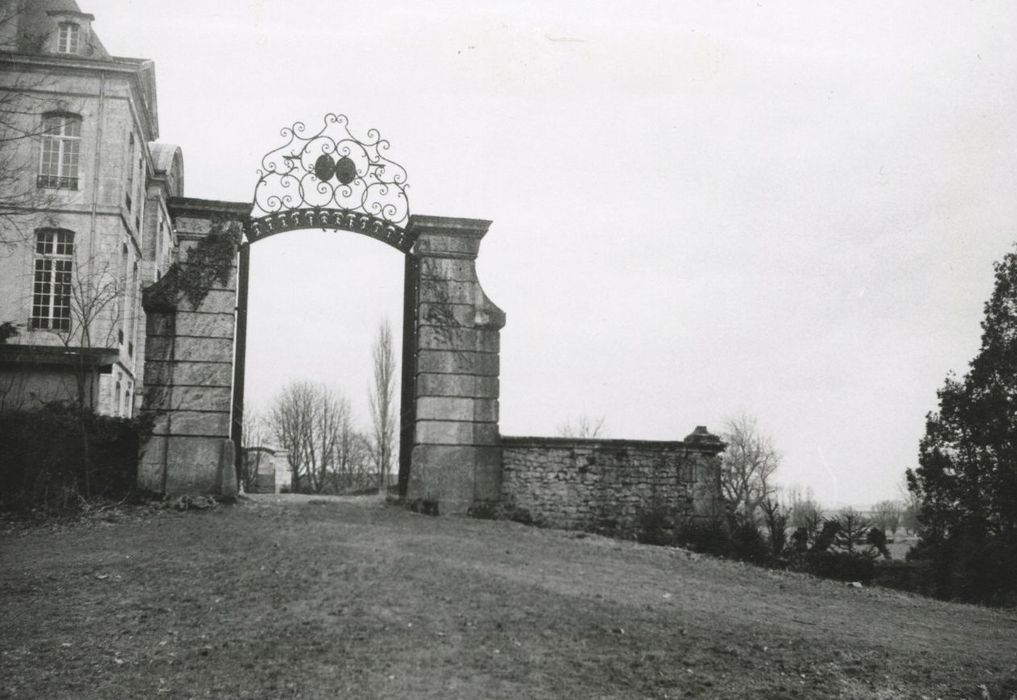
[332, 169]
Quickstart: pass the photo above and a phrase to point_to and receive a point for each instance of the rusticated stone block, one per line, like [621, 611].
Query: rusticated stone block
[447, 314]
[201, 398]
[446, 292]
[158, 323]
[463, 385]
[206, 325]
[195, 465]
[446, 338]
[455, 433]
[188, 373]
[455, 477]
[151, 464]
[443, 408]
[452, 269]
[447, 246]
[450, 362]
[198, 349]
[193, 423]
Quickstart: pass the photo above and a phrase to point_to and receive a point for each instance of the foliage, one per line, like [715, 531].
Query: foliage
[877, 539]
[41, 458]
[209, 261]
[852, 530]
[747, 467]
[806, 515]
[7, 331]
[844, 566]
[966, 480]
[775, 518]
[748, 543]
[708, 536]
[656, 526]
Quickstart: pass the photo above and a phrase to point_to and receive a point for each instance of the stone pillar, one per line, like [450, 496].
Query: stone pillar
[456, 457]
[189, 359]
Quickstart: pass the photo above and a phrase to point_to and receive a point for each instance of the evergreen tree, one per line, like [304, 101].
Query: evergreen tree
[967, 479]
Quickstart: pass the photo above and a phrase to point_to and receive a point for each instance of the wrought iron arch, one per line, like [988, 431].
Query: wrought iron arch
[331, 179]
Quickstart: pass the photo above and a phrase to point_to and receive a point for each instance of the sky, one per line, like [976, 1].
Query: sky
[700, 210]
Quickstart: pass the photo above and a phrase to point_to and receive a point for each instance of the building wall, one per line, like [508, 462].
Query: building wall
[118, 185]
[607, 486]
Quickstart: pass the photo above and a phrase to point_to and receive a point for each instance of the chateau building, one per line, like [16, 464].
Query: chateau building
[84, 223]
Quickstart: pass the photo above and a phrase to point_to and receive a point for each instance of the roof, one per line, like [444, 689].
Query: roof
[168, 161]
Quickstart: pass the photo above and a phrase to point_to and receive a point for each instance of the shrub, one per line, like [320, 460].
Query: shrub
[54, 457]
[748, 544]
[844, 566]
[708, 536]
[656, 526]
[970, 565]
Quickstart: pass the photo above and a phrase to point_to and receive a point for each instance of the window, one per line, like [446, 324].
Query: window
[130, 169]
[61, 143]
[51, 287]
[68, 38]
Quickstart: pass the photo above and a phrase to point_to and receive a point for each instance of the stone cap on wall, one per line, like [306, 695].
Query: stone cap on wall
[702, 441]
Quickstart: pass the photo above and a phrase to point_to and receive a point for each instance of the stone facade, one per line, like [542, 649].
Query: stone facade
[609, 486]
[104, 184]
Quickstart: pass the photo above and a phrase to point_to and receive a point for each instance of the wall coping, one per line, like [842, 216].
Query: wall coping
[517, 441]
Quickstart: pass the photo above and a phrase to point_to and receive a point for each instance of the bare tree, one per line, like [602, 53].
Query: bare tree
[583, 426]
[383, 404]
[748, 466]
[912, 503]
[23, 101]
[886, 515]
[806, 514]
[305, 420]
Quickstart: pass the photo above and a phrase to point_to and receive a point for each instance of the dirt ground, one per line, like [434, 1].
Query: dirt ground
[349, 598]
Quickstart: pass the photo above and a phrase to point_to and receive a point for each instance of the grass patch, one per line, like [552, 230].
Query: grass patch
[281, 598]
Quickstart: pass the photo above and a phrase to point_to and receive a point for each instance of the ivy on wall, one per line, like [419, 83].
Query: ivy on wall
[208, 263]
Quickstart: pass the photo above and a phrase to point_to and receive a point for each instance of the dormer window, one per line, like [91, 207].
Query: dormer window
[68, 38]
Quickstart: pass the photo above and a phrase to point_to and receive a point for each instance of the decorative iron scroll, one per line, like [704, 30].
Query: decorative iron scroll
[328, 173]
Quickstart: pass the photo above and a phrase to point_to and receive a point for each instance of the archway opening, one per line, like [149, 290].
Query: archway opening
[323, 363]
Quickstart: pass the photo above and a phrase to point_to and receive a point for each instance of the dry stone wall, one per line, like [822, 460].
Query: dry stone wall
[610, 486]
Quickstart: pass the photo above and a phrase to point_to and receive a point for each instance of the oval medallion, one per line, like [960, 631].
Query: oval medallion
[346, 170]
[324, 167]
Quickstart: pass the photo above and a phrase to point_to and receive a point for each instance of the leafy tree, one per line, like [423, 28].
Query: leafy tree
[966, 480]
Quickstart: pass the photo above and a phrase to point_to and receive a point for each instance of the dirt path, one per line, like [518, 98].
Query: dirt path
[311, 597]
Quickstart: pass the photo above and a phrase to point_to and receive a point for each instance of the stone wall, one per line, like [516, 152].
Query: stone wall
[610, 486]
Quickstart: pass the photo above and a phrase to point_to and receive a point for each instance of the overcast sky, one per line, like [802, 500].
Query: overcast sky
[789, 210]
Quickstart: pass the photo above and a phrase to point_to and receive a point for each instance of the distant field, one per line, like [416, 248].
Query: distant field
[348, 598]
